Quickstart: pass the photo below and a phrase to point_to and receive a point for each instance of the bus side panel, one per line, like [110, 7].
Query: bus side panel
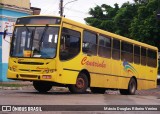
[70, 71]
[116, 72]
[68, 77]
[138, 73]
[152, 77]
[147, 79]
[99, 80]
[100, 71]
[125, 75]
[143, 84]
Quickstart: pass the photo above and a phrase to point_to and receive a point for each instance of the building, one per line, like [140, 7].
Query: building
[10, 10]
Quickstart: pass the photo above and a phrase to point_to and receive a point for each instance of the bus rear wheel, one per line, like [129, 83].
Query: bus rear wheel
[41, 86]
[98, 90]
[81, 84]
[132, 86]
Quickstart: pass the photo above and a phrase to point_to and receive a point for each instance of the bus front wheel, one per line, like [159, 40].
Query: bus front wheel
[132, 86]
[81, 84]
[41, 86]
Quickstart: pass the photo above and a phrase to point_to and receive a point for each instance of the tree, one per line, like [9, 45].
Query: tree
[137, 20]
[123, 19]
[141, 1]
[145, 26]
[102, 17]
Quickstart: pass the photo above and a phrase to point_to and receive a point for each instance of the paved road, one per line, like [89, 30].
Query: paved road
[58, 97]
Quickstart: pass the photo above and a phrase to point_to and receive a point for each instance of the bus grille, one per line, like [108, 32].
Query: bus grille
[28, 76]
[28, 70]
[31, 63]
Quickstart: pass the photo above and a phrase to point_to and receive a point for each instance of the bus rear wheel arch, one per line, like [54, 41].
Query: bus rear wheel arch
[42, 86]
[132, 87]
[81, 84]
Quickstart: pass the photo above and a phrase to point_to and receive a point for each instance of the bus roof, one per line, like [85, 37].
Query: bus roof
[99, 31]
[87, 27]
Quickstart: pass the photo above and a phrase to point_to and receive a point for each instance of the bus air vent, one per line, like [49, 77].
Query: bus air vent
[28, 76]
[28, 70]
[31, 63]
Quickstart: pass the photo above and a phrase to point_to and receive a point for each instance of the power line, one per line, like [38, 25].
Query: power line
[78, 11]
[70, 7]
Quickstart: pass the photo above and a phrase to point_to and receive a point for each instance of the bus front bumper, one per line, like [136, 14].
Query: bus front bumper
[30, 76]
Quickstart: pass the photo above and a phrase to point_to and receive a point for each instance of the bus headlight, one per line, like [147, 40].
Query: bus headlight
[14, 69]
[10, 68]
[52, 70]
[47, 71]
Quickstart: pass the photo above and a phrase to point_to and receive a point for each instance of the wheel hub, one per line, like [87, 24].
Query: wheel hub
[80, 83]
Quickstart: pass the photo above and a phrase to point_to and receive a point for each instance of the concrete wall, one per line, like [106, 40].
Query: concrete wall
[19, 3]
[8, 17]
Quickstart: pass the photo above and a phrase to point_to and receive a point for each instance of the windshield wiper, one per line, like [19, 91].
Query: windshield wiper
[31, 40]
[27, 28]
[43, 34]
[12, 44]
[31, 37]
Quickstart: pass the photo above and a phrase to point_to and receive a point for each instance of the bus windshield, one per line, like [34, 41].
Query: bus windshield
[39, 42]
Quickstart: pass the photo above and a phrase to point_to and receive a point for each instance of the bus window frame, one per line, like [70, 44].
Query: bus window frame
[89, 42]
[148, 58]
[125, 51]
[144, 56]
[119, 50]
[80, 38]
[135, 45]
[106, 47]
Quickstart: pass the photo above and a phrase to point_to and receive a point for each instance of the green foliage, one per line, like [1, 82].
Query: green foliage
[102, 17]
[137, 20]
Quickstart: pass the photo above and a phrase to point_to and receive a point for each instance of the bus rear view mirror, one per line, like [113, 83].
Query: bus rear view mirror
[4, 35]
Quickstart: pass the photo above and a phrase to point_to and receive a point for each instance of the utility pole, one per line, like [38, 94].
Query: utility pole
[61, 8]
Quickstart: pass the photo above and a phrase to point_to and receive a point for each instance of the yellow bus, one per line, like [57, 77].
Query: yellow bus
[55, 51]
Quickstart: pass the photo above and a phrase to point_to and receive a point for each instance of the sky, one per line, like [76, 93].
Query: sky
[77, 10]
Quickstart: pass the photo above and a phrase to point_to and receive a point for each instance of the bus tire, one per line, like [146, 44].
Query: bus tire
[123, 92]
[41, 86]
[132, 87]
[98, 90]
[81, 84]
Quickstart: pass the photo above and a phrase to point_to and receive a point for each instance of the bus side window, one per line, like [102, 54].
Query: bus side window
[116, 49]
[127, 51]
[70, 44]
[136, 54]
[143, 56]
[152, 58]
[89, 43]
[104, 46]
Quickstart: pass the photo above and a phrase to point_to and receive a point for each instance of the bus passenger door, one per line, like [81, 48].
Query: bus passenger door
[69, 54]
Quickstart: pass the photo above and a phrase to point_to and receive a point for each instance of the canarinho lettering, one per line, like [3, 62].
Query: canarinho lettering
[85, 61]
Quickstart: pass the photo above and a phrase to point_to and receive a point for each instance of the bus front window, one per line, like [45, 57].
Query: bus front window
[38, 42]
